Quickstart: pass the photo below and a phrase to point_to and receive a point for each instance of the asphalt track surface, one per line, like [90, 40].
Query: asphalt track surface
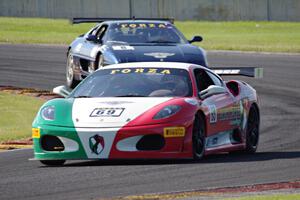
[278, 157]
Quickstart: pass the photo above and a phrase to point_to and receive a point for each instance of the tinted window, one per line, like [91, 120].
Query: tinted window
[203, 79]
[144, 33]
[148, 82]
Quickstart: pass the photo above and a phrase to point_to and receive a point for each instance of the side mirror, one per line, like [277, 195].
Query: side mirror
[92, 38]
[196, 39]
[62, 90]
[212, 90]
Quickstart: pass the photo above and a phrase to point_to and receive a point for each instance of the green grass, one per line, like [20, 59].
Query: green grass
[245, 36]
[17, 114]
[270, 197]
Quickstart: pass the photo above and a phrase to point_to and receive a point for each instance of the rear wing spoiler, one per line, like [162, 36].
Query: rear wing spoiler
[255, 72]
[79, 20]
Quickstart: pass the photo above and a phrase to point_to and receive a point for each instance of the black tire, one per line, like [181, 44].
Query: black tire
[252, 132]
[53, 162]
[198, 137]
[70, 80]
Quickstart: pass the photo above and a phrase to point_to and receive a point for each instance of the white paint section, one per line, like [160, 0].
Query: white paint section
[106, 127]
[108, 135]
[78, 47]
[122, 47]
[219, 139]
[132, 107]
[129, 144]
[70, 145]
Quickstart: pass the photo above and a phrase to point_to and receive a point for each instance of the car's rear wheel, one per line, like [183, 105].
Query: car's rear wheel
[53, 162]
[198, 137]
[252, 132]
[71, 81]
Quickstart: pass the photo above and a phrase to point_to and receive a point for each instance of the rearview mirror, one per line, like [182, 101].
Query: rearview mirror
[211, 90]
[196, 39]
[62, 90]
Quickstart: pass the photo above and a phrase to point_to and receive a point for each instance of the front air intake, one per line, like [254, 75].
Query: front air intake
[51, 143]
[150, 143]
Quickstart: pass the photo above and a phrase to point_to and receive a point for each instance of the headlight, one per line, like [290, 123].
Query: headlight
[48, 113]
[167, 111]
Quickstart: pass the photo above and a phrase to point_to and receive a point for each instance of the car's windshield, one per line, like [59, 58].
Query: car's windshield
[135, 82]
[141, 33]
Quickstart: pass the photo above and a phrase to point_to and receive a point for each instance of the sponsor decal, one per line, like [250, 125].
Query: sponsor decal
[159, 55]
[36, 133]
[212, 114]
[219, 139]
[107, 112]
[142, 25]
[96, 144]
[122, 47]
[230, 113]
[140, 70]
[174, 132]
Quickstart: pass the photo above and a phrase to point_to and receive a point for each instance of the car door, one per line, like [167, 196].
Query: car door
[221, 109]
[90, 48]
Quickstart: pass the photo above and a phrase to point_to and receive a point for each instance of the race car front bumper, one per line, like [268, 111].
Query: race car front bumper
[148, 141]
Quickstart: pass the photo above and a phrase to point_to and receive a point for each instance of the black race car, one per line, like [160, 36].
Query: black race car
[117, 40]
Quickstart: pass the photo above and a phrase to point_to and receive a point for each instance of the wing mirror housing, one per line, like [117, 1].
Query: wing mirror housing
[92, 38]
[196, 39]
[62, 90]
[212, 90]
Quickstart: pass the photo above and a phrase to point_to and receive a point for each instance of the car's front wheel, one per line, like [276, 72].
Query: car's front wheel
[252, 132]
[71, 81]
[198, 137]
[99, 61]
[53, 162]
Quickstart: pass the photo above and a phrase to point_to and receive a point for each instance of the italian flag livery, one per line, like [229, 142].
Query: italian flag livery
[147, 110]
[101, 128]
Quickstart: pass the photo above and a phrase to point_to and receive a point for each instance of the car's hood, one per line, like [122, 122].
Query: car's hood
[169, 53]
[110, 112]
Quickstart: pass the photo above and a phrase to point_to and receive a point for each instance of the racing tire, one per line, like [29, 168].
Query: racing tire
[53, 162]
[99, 61]
[198, 137]
[252, 131]
[71, 81]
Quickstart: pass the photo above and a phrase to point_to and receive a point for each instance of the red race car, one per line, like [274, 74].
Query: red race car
[149, 110]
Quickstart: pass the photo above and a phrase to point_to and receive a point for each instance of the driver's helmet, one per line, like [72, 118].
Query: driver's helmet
[176, 85]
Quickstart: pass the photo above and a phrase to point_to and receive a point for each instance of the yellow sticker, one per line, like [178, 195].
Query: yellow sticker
[174, 132]
[36, 133]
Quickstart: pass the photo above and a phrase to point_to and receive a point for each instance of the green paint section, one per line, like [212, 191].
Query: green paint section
[63, 113]
[244, 36]
[17, 113]
[269, 197]
[62, 126]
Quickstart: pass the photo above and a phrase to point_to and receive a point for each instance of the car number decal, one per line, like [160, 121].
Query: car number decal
[107, 112]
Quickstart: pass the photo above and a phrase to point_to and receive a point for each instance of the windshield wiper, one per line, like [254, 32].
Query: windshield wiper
[116, 41]
[161, 41]
[83, 96]
[130, 95]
